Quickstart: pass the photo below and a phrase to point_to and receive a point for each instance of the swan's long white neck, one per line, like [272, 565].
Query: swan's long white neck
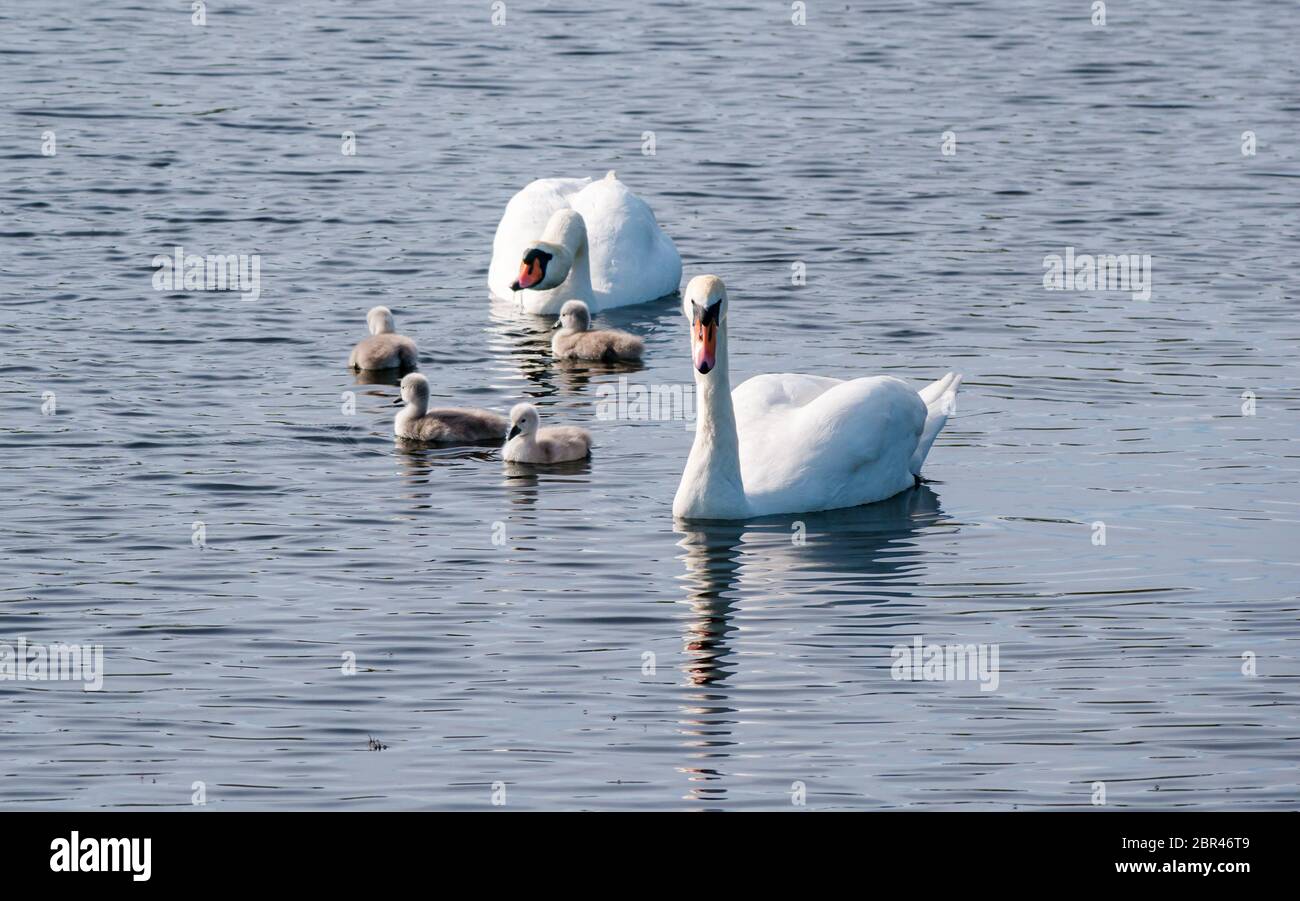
[569, 232]
[578, 284]
[712, 486]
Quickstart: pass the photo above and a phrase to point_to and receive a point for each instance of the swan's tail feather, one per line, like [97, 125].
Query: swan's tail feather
[940, 399]
[933, 391]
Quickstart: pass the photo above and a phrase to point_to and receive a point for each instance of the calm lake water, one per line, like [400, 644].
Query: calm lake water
[554, 630]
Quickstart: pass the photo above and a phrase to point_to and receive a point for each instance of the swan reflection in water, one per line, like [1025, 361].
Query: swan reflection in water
[865, 547]
[523, 341]
[379, 376]
[524, 485]
[523, 481]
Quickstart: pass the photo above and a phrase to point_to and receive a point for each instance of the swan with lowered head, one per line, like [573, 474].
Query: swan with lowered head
[796, 443]
[526, 443]
[384, 349]
[577, 340]
[446, 425]
[564, 239]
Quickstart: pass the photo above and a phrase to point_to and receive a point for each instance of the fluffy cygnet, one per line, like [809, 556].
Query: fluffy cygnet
[449, 425]
[384, 349]
[575, 339]
[526, 443]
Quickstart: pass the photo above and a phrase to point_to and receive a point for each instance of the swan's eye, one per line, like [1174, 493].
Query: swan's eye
[708, 315]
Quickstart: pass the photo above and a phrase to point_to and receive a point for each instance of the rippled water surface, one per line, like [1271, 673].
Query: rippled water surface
[596, 654]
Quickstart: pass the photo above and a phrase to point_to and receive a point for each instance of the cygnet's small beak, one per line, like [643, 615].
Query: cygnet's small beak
[514, 430]
[556, 325]
[398, 402]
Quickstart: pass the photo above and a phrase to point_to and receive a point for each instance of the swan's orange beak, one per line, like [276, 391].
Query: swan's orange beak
[530, 273]
[532, 270]
[704, 338]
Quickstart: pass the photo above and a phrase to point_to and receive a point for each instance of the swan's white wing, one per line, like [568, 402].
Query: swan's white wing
[811, 443]
[522, 223]
[766, 394]
[632, 260]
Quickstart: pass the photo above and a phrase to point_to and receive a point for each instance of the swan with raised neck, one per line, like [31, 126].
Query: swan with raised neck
[791, 443]
[712, 486]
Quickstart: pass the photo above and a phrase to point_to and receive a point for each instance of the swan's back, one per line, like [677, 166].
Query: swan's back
[459, 425]
[607, 345]
[384, 351]
[632, 259]
[557, 444]
[815, 443]
[765, 393]
[564, 442]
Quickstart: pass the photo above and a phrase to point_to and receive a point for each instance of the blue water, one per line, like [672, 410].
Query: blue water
[597, 655]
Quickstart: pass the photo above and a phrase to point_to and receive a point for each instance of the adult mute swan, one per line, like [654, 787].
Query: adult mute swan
[796, 443]
[564, 239]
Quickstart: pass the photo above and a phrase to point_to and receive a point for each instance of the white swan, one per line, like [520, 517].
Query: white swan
[566, 239]
[796, 443]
